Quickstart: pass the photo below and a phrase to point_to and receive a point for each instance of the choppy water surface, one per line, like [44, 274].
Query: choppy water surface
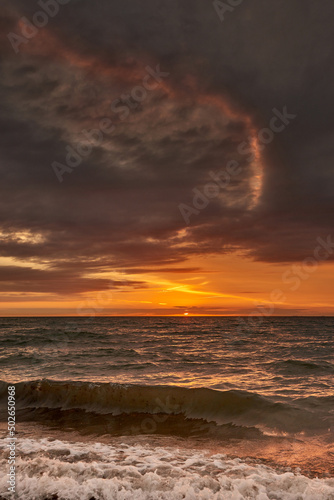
[285, 357]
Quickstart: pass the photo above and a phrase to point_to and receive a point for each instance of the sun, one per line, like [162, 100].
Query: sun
[185, 314]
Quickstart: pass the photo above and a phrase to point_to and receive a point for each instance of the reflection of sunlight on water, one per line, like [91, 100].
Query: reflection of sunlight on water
[186, 351]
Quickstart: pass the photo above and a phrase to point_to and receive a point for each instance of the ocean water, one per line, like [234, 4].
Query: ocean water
[169, 408]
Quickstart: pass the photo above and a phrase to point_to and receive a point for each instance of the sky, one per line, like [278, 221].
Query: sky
[166, 157]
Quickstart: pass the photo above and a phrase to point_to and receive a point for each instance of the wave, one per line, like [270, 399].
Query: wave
[117, 408]
[57, 469]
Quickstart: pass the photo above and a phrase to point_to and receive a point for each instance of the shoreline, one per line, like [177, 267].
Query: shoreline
[70, 466]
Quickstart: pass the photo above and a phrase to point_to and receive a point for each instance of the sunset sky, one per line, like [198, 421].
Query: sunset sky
[166, 157]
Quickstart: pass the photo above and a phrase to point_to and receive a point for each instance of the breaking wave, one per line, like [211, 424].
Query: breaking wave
[122, 409]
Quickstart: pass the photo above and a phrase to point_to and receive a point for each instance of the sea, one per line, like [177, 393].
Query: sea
[169, 408]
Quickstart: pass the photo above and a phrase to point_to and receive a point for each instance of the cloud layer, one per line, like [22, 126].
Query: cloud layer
[120, 207]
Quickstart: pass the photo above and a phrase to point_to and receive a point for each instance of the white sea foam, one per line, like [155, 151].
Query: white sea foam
[80, 471]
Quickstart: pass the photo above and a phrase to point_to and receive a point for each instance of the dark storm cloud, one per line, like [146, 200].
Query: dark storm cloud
[61, 281]
[22, 279]
[119, 208]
